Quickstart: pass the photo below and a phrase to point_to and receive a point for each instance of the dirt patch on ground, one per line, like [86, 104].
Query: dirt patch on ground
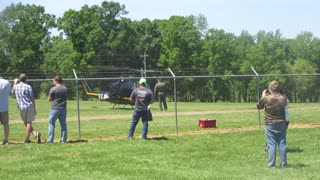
[210, 131]
[154, 114]
[202, 131]
[158, 114]
[129, 116]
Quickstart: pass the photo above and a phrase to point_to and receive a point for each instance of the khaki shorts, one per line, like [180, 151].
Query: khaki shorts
[4, 117]
[27, 115]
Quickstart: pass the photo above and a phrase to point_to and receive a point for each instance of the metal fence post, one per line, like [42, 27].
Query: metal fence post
[175, 98]
[258, 94]
[78, 105]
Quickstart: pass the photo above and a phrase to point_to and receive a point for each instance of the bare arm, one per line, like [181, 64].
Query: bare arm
[50, 98]
[15, 82]
[260, 104]
[34, 104]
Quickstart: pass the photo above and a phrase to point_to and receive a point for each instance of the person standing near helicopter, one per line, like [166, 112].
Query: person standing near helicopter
[142, 97]
[160, 92]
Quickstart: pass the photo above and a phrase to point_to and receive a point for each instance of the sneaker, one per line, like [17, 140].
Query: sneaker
[27, 141]
[283, 165]
[38, 137]
[5, 142]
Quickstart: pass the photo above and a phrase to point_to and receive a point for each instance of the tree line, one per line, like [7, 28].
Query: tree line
[99, 38]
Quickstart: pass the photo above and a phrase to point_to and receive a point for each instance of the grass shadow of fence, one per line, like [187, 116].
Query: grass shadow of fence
[161, 138]
[78, 141]
[294, 150]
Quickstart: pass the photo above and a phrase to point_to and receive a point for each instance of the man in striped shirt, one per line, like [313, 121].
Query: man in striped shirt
[26, 105]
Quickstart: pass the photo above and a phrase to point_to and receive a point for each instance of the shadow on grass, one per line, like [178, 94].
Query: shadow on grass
[294, 150]
[297, 165]
[126, 108]
[77, 141]
[159, 138]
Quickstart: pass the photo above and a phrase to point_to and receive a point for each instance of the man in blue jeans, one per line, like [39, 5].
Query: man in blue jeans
[58, 97]
[142, 97]
[274, 104]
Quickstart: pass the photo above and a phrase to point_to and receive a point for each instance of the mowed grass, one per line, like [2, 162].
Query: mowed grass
[104, 152]
[98, 119]
[233, 155]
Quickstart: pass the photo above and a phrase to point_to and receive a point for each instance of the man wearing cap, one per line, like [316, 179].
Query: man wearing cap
[160, 92]
[274, 102]
[142, 97]
[26, 105]
[4, 107]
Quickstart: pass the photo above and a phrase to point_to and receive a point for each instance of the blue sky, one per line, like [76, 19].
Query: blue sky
[290, 16]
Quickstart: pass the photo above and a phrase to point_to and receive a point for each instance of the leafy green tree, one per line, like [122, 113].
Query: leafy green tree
[24, 28]
[60, 57]
[304, 87]
[306, 46]
[268, 56]
[243, 43]
[94, 32]
[180, 49]
[180, 43]
[306, 53]
[301, 45]
[200, 22]
[219, 52]
[147, 39]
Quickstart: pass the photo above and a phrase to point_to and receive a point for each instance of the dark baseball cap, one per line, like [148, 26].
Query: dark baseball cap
[23, 77]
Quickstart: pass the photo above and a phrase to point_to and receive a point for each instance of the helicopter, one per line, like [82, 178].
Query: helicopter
[119, 92]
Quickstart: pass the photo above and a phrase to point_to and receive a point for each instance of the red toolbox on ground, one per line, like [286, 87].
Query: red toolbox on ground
[207, 123]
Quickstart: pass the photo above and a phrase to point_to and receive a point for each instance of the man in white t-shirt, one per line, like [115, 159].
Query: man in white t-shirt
[5, 88]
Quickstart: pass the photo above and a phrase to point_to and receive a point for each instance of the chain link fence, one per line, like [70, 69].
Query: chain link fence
[230, 100]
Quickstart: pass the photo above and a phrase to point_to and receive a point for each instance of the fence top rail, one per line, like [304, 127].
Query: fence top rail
[170, 77]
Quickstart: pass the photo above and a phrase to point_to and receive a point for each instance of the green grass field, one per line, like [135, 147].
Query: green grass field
[234, 155]
[98, 119]
[215, 153]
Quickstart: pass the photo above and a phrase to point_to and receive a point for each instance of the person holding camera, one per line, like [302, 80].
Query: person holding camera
[27, 106]
[274, 102]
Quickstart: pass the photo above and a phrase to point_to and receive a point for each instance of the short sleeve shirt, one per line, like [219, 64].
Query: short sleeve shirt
[4, 94]
[142, 97]
[24, 95]
[59, 95]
